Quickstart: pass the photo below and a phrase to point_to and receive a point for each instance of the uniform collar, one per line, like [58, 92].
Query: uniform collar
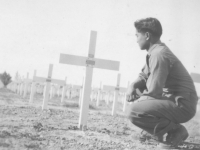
[153, 46]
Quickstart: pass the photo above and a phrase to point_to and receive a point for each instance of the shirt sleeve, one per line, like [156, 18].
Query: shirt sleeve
[159, 70]
[140, 82]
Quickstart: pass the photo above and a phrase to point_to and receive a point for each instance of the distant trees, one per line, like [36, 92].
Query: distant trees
[5, 78]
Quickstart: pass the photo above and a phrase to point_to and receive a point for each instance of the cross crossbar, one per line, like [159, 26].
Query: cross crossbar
[57, 81]
[84, 61]
[106, 64]
[72, 60]
[42, 79]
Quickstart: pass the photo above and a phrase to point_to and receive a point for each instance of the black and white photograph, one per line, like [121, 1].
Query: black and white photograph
[99, 74]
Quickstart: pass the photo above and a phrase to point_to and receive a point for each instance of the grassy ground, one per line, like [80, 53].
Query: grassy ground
[26, 126]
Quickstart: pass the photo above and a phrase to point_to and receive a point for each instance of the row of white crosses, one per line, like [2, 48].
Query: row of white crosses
[28, 86]
[89, 62]
[110, 93]
[71, 91]
[25, 86]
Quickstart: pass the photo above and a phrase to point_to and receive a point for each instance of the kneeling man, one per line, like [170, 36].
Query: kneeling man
[168, 95]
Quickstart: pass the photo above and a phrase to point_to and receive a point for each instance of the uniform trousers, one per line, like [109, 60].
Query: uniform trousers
[158, 116]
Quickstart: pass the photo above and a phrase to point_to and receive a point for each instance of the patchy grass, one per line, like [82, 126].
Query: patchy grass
[29, 127]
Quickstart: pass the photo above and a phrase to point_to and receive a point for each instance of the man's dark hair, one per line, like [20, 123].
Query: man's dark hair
[151, 25]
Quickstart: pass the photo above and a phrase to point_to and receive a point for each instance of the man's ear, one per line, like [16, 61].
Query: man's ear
[148, 35]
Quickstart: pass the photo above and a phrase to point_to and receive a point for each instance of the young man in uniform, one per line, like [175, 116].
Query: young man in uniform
[168, 93]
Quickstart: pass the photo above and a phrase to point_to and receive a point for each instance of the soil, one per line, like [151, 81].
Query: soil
[25, 126]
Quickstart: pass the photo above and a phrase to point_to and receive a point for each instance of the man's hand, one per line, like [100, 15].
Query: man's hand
[131, 94]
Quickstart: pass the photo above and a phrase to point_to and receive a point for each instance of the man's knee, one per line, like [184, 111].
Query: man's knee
[139, 115]
[134, 110]
[132, 114]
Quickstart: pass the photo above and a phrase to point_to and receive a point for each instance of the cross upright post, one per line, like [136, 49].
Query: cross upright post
[21, 86]
[64, 90]
[81, 92]
[114, 108]
[32, 88]
[47, 87]
[98, 95]
[116, 90]
[88, 82]
[26, 82]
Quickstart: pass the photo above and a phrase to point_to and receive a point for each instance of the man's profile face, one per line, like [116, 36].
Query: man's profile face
[142, 40]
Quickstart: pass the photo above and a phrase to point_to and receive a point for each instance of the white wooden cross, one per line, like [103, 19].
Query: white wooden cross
[26, 82]
[14, 85]
[81, 92]
[58, 90]
[67, 86]
[40, 88]
[21, 85]
[76, 88]
[94, 92]
[42, 80]
[68, 91]
[52, 91]
[98, 95]
[48, 82]
[33, 88]
[55, 90]
[15, 82]
[64, 91]
[116, 90]
[61, 91]
[90, 62]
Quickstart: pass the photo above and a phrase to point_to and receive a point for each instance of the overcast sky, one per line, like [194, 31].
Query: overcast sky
[33, 33]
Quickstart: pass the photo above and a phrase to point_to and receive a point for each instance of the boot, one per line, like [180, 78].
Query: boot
[174, 138]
